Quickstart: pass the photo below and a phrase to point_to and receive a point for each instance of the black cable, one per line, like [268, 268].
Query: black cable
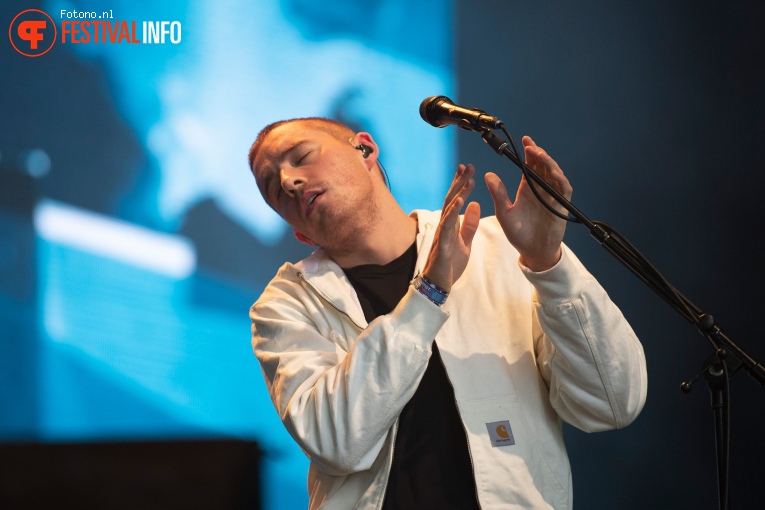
[619, 247]
[530, 182]
[385, 174]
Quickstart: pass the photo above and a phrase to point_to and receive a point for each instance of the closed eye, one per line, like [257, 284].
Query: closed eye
[273, 189]
[302, 158]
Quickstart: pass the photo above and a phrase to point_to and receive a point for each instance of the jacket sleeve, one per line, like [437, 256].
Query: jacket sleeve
[588, 354]
[338, 404]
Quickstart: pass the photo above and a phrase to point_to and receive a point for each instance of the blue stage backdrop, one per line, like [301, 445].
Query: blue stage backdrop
[134, 238]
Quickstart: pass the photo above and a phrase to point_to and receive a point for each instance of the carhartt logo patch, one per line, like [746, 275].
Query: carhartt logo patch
[500, 433]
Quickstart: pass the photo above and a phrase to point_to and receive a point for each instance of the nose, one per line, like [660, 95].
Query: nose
[291, 182]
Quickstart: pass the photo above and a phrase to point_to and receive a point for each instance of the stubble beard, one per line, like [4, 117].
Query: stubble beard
[346, 227]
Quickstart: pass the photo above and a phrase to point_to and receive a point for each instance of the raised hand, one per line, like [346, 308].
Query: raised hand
[534, 231]
[450, 251]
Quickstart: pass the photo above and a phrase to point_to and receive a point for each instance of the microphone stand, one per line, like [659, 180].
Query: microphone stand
[715, 370]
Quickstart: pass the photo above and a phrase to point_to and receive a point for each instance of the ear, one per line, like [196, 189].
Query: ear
[303, 239]
[364, 138]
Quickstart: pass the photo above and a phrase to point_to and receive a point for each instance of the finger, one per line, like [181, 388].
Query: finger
[498, 192]
[546, 167]
[528, 142]
[455, 185]
[451, 214]
[461, 178]
[537, 157]
[466, 188]
[459, 199]
[530, 150]
[470, 223]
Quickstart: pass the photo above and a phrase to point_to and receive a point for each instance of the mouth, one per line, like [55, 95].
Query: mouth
[311, 200]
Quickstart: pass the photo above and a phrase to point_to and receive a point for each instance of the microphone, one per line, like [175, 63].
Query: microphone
[440, 111]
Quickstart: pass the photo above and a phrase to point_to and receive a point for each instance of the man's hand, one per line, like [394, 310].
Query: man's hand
[450, 251]
[534, 231]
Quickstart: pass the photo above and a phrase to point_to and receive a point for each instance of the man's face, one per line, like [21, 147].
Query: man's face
[320, 185]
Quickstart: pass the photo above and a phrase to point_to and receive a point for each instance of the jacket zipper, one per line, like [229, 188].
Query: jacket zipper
[390, 464]
[428, 226]
[395, 426]
[467, 441]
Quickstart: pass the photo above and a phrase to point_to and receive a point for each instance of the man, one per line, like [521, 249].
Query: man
[447, 392]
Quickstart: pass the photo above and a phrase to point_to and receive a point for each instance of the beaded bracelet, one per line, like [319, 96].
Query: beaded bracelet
[430, 290]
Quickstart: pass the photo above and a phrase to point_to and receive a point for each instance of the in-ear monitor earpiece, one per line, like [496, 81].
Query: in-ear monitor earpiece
[366, 150]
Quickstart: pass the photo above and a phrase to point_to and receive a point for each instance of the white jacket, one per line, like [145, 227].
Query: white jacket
[522, 350]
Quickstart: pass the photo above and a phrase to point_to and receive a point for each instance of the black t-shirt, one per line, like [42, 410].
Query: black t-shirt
[431, 463]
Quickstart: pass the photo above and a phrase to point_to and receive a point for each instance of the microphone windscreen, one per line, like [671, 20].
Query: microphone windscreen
[428, 109]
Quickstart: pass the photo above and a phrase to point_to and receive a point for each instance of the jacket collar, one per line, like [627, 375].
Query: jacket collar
[329, 280]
